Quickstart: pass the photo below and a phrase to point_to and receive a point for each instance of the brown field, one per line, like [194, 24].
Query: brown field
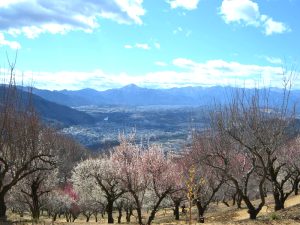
[216, 215]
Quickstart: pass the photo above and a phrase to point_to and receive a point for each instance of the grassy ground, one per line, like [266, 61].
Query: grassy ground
[216, 215]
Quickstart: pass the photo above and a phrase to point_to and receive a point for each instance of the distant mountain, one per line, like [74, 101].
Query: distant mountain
[52, 112]
[132, 95]
[68, 98]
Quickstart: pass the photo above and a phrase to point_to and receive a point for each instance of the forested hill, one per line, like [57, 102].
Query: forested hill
[50, 112]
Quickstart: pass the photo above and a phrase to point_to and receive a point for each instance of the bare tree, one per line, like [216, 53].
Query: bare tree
[20, 132]
[32, 190]
[207, 181]
[257, 130]
[290, 155]
[178, 198]
[69, 154]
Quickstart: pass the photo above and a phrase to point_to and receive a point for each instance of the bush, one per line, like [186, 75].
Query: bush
[274, 216]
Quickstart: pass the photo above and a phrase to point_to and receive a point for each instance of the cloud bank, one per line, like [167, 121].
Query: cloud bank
[180, 72]
[34, 17]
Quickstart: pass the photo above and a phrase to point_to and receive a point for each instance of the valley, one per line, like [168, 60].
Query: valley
[169, 126]
[162, 116]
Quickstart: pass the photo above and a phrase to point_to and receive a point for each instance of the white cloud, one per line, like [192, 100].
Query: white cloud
[247, 12]
[188, 33]
[184, 63]
[240, 11]
[142, 46]
[177, 30]
[272, 26]
[160, 63]
[157, 45]
[180, 30]
[6, 3]
[11, 44]
[133, 8]
[273, 60]
[186, 4]
[128, 46]
[185, 72]
[34, 17]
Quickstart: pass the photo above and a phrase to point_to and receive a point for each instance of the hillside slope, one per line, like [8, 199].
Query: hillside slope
[51, 112]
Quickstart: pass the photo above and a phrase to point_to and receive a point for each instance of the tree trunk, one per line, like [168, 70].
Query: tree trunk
[139, 212]
[35, 210]
[74, 217]
[155, 209]
[239, 201]
[253, 214]
[68, 217]
[152, 216]
[201, 211]
[54, 217]
[279, 201]
[225, 203]
[138, 207]
[234, 199]
[128, 214]
[279, 205]
[109, 210]
[120, 214]
[96, 217]
[252, 211]
[176, 210]
[87, 216]
[2, 209]
[296, 186]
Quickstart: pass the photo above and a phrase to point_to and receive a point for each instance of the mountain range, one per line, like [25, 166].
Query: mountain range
[59, 107]
[133, 95]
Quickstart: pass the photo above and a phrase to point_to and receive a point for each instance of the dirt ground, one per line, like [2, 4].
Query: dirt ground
[216, 215]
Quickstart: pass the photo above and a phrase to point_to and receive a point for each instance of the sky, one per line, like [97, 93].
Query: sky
[103, 44]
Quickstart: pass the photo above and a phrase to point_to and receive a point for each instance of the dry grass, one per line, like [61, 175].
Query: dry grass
[216, 215]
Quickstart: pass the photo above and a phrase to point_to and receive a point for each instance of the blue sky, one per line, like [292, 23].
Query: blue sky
[152, 43]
